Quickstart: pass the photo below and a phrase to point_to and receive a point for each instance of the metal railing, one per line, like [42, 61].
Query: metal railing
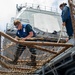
[36, 6]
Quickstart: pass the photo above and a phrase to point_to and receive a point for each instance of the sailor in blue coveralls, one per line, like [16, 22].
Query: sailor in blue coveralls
[66, 19]
[24, 31]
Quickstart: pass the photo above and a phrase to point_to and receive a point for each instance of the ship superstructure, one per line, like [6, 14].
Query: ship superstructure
[43, 18]
[52, 49]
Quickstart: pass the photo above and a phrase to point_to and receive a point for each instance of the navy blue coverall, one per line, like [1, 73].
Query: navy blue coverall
[66, 17]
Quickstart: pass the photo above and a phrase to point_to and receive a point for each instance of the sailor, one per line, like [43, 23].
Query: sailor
[24, 31]
[66, 19]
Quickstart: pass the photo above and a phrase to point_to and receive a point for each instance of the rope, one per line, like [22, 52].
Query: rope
[59, 37]
[8, 45]
[60, 34]
[19, 67]
[12, 44]
[37, 55]
[52, 48]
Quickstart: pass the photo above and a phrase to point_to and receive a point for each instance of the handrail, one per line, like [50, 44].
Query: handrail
[36, 6]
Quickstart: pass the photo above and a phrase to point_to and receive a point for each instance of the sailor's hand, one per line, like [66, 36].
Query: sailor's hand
[23, 39]
[17, 38]
[64, 24]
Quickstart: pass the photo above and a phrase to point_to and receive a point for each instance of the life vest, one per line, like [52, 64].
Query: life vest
[23, 32]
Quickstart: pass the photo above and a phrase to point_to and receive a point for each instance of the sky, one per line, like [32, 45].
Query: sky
[8, 8]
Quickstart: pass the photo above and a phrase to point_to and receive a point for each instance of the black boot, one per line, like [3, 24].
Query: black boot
[33, 61]
[14, 61]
